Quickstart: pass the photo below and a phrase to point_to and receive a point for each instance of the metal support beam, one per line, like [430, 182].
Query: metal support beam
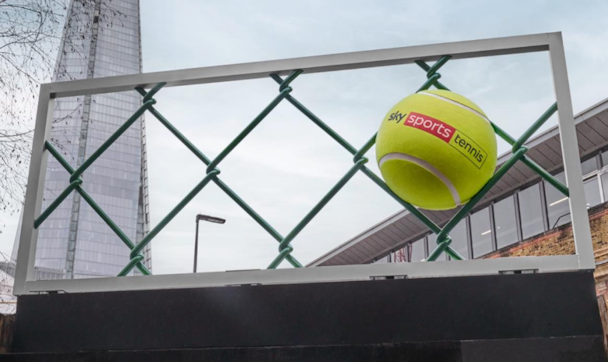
[572, 164]
[314, 64]
[33, 195]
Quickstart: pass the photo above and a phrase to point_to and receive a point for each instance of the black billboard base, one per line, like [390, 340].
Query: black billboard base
[515, 317]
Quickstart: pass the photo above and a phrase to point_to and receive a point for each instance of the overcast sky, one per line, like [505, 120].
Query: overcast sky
[287, 164]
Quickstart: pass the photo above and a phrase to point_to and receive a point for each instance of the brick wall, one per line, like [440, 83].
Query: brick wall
[7, 328]
[559, 241]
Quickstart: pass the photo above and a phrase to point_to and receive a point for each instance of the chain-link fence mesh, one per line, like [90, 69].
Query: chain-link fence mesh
[285, 249]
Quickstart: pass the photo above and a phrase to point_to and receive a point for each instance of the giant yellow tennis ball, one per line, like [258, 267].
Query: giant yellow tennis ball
[436, 149]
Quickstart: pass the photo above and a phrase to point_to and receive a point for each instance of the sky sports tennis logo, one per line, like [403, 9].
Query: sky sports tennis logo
[455, 138]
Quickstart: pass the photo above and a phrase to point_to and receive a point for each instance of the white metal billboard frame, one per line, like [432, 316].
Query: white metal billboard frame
[25, 282]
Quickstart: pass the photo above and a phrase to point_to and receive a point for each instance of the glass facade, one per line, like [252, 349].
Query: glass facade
[101, 39]
[592, 192]
[481, 232]
[460, 239]
[557, 204]
[530, 209]
[417, 252]
[524, 214]
[504, 220]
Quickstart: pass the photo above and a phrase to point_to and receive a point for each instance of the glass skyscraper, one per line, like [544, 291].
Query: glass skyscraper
[101, 38]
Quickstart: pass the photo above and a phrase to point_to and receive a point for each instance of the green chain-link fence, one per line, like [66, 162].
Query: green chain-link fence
[285, 248]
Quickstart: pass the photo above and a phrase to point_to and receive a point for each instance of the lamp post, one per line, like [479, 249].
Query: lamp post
[208, 218]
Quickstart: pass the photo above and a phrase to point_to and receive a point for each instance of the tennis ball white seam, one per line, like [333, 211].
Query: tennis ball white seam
[458, 105]
[427, 166]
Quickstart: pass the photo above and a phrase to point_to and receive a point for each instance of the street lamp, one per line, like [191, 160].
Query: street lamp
[208, 218]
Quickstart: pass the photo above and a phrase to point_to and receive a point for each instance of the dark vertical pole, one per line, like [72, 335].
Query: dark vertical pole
[469, 237]
[544, 205]
[196, 245]
[518, 221]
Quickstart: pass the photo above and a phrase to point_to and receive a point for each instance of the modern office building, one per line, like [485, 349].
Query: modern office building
[101, 38]
[521, 215]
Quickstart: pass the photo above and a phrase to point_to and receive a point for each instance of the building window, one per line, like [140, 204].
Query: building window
[481, 231]
[530, 211]
[459, 239]
[605, 158]
[504, 220]
[589, 166]
[557, 204]
[592, 192]
[417, 248]
[431, 243]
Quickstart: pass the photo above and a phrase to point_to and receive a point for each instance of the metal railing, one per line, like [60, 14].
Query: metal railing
[293, 69]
